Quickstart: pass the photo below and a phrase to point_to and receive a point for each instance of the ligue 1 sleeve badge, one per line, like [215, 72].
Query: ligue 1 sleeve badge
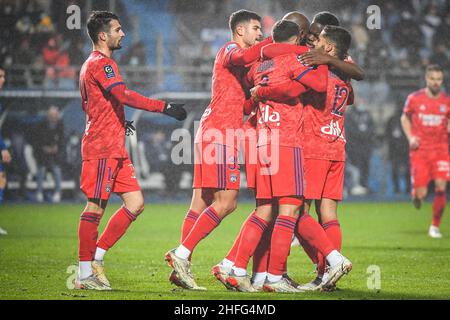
[109, 71]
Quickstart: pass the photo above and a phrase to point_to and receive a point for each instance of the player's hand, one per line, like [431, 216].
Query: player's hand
[254, 94]
[6, 156]
[315, 57]
[129, 128]
[175, 110]
[414, 143]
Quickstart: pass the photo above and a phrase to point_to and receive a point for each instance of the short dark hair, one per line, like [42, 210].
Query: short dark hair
[242, 16]
[434, 67]
[326, 18]
[284, 29]
[99, 22]
[340, 37]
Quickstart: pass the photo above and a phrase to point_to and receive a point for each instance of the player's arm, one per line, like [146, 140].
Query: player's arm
[240, 57]
[304, 77]
[313, 77]
[276, 49]
[279, 93]
[406, 125]
[135, 100]
[107, 75]
[351, 69]
[249, 105]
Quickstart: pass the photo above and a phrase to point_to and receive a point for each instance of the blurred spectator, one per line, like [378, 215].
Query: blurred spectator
[443, 29]
[398, 149]
[77, 54]
[204, 64]
[136, 56]
[430, 23]
[360, 131]
[407, 37]
[158, 154]
[48, 144]
[440, 56]
[59, 73]
[73, 161]
[5, 156]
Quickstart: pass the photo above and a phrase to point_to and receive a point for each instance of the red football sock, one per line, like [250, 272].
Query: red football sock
[281, 243]
[321, 264]
[252, 232]
[312, 232]
[310, 251]
[262, 252]
[189, 221]
[87, 235]
[116, 228]
[206, 222]
[234, 249]
[438, 207]
[333, 230]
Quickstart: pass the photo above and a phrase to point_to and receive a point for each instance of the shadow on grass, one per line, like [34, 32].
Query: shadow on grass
[179, 294]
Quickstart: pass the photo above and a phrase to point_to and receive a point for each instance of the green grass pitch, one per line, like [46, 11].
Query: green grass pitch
[38, 257]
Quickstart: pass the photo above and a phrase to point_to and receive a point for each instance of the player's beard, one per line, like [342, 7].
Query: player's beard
[115, 46]
[435, 90]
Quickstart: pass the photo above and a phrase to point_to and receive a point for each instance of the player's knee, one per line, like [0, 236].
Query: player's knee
[138, 208]
[422, 194]
[439, 190]
[227, 207]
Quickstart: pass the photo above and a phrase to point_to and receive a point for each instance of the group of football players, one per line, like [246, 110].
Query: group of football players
[294, 86]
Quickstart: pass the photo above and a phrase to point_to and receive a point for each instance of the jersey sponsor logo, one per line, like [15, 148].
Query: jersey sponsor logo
[269, 116]
[265, 65]
[332, 129]
[422, 107]
[109, 71]
[230, 47]
[431, 120]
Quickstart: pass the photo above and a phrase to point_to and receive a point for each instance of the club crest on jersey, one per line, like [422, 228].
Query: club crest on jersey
[233, 178]
[108, 188]
[109, 71]
[230, 47]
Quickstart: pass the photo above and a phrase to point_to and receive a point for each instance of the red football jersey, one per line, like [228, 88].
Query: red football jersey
[104, 136]
[323, 132]
[225, 110]
[279, 123]
[429, 120]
